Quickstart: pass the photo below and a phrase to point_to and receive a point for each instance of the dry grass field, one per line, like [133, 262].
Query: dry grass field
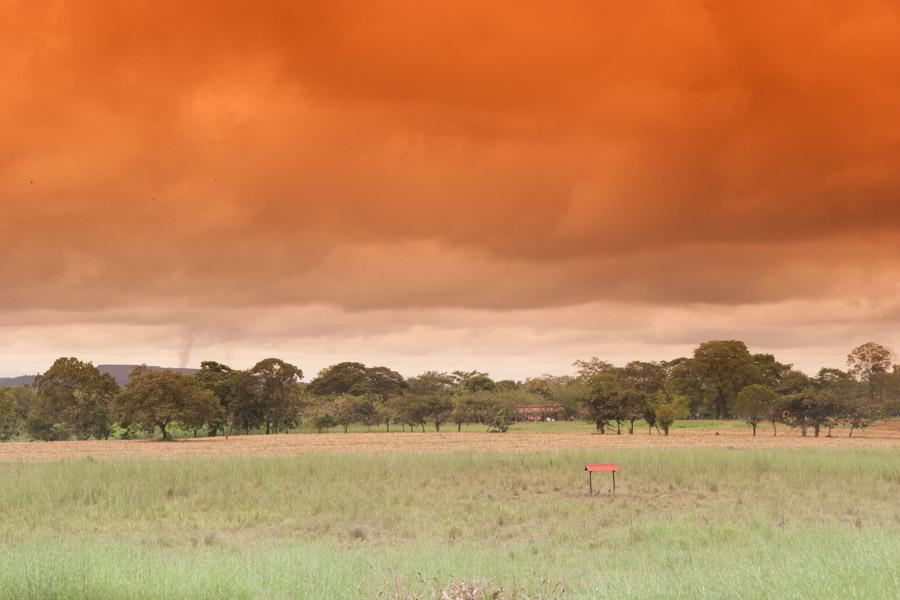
[883, 436]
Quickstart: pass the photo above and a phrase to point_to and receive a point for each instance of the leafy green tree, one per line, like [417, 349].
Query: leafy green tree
[567, 392]
[344, 410]
[871, 364]
[754, 403]
[157, 399]
[342, 378]
[244, 405]
[468, 407]
[279, 393]
[725, 367]
[384, 382]
[366, 409]
[685, 378]
[218, 379]
[411, 410]
[832, 389]
[9, 418]
[474, 381]
[321, 412]
[540, 386]
[25, 397]
[357, 379]
[668, 408]
[603, 400]
[592, 367]
[499, 412]
[771, 372]
[436, 391]
[73, 398]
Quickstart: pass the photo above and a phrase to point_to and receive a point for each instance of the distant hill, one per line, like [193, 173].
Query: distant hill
[119, 372]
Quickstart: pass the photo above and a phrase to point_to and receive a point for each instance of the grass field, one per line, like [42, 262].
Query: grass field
[684, 523]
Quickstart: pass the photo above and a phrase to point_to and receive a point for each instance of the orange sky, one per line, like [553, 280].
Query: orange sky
[507, 186]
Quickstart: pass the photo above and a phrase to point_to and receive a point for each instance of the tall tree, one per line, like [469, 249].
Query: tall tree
[771, 372]
[9, 418]
[157, 399]
[73, 398]
[436, 391]
[342, 378]
[871, 363]
[603, 399]
[725, 367]
[755, 403]
[245, 409]
[279, 392]
[218, 379]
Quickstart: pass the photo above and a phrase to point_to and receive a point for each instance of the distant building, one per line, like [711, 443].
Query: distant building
[539, 412]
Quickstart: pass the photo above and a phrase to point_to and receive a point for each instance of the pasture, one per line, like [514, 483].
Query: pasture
[818, 518]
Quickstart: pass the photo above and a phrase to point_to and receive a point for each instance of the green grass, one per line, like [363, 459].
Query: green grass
[684, 524]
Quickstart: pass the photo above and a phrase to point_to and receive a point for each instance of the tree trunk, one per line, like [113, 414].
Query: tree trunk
[268, 425]
[631, 428]
[649, 429]
[816, 429]
[852, 427]
[459, 427]
[423, 427]
[601, 427]
[437, 426]
[346, 425]
[618, 428]
[774, 429]
[753, 425]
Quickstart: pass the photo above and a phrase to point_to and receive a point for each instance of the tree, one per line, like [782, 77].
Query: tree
[725, 367]
[668, 408]
[870, 364]
[499, 412]
[157, 399]
[342, 378]
[279, 392]
[755, 403]
[218, 379]
[468, 407]
[771, 372]
[321, 413]
[436, 391]
[366, 409]
[344, 410]
[244, 406]
[9, 418]
[474, 381]
[356, 379]
[603, 399]
[645, 379]
[832, 388]
[73, 398]
[411, 410]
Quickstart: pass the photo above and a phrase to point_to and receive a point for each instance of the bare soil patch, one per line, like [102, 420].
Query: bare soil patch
[287, 444]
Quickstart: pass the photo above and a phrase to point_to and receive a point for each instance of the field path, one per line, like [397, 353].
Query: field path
[286, 444]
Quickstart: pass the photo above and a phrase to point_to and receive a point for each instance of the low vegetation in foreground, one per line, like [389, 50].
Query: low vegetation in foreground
[683, 523]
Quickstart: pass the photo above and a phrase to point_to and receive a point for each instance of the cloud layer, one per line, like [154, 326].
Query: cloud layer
[487, 167]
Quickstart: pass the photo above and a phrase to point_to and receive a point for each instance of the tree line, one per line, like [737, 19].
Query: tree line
[721, 380]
